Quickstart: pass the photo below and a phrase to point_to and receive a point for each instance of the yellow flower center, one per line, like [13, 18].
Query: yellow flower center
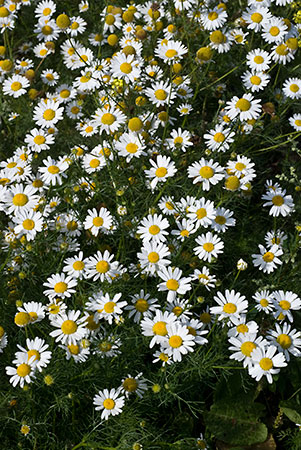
[277, 200]
[258, 59]
[171, 53]
[284, 340]
[110, 19]
[266, 363]
[229, 308]
[294, 88]
[131, 148]
[33, 316]
[74, 26]
[28, 224]
[97, 221]
[247, 348]
[240, 166]
[60, 287]
[153, 257]
[154, 229]
[282, 50]
[102, 266]
[109, 307]
[20, 199]
[217, 37]
[298, 122]
[274, 31]
[109, 403]
[49, 114]
[141, 305]
[208, 247]
[16, 86]
[219, 137]
[130, 384]
[23, 370]
[43, 52]
[221, 220]
[73, 349]
[22, 318]
[268, 257]
[243, 104]
[184, 233]
[53, 169]
[126, 68]
[105, 346]
[1, 332]
[206, 172]
[46, 11]
[34, 353]
[11, 165]
[285, 305]
[161, 172]
[94, 163]
[69, 327]
[232, 183]
[205, 317]
[175, 341]
[72, 225]
[39, 139]
[160, 94]
[163, 357]
[78, 265]
[75, 110]
[255, 80]
[177, 310]
[256, 17]
[108, 119]
[201, 213]
[242, 328]
[212, 15]
[264, 302]
[172, 284]
[160, 328]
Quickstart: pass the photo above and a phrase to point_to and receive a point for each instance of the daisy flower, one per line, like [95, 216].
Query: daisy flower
[71, 327]
[75, 266]
[55, 307]
[161, 169]
[24, 372]
[156, 327]
[281, 203]
[213, 19]
[173, 282]
[245, 108]
[162, 357]
[100, 221]
[39, 139]
[101, 266]
[153, 257]
[36, 348]
[258, 60]
[178, 341]
[243, 347]
[282, 54]
[171, 51]
[125, 67]
[60, 285]
[231, 305]
[76, 351]
[15, 86]
[47, 114]
[53, 171]
[20, 198]
[209, 246]
[167, 206]
[286, 340]
[133, 385]
[142, 306]
[274, 30]
[108, 308]
[292, 88]
[267, 260]
[86, 82]
[256, 81]
[264, 301]
[185, 229]
[109, 120]
[160, 93]
[49, 77]
[219, 139]
[130, 145]
[109, 402]
[284, 303]
[255, 17]
[223, 220]
[77, 26]
[204, 277]
[275, 237]
[242, 327]
[295, 121]
[206, 172]
[265, 362]
[221, 40]
[202, 213]
[28, 223]
[180, 308]
[152, 228]
[195, 327]
[179, 140]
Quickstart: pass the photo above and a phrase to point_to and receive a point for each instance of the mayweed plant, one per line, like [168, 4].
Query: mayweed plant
[149, 209]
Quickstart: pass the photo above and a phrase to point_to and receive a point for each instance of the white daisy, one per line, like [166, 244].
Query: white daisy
[173, 282]
[178, 341]
[267, 260]
[71, 327]
[231, 305]
[206, 172]
[109, 402]
[209, 246]
[266, 362]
